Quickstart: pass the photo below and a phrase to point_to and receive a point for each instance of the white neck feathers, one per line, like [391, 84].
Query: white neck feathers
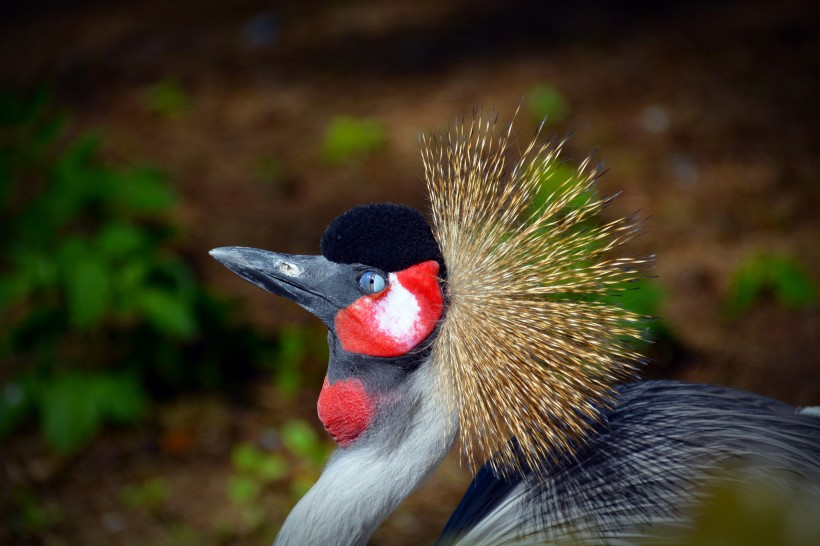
[364, 483]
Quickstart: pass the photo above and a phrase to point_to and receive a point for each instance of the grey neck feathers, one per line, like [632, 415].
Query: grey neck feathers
[364, 483]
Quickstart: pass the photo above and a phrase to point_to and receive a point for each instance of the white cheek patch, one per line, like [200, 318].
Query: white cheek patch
[397, 313]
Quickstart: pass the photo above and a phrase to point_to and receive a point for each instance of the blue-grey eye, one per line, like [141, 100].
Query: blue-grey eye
[372, 282]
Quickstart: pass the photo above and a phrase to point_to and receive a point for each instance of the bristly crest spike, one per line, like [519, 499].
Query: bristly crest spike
[531, 344]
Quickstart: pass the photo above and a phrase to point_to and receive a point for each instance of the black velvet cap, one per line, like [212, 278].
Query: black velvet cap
[387, 236]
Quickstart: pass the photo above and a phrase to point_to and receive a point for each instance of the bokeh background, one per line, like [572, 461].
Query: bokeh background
[150, 397]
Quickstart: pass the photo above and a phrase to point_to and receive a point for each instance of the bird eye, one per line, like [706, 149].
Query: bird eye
[372, 282]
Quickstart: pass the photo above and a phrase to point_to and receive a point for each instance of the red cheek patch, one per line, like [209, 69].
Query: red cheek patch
[345, 410]
[396, 320]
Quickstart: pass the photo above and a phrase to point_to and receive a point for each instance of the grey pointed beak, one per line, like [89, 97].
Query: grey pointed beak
[309, 281]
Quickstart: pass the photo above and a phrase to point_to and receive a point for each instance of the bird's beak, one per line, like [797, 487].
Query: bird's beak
[306, 280]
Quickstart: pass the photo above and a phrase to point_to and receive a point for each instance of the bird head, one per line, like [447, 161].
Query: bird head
[526, 337]
[378, 285]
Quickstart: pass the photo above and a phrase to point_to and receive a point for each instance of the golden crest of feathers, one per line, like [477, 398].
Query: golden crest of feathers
[531, 344]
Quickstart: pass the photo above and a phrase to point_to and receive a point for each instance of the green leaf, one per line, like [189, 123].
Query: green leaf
[349, 138]
[120, 398]
[793, 286]
[642, 297]
[117, 240]
[167, 98]
[167, 312]
[246, 457]
[176, 276]
[16, 403]
[48, 132]
[6, 183]
[269, 170]
[12, 288]
[249, 459]
[150, 495]
[53, 209]
[19, 111]
[141, 191]
[243, 489]
[87, 292]
[556, 179]
[291, 353]
[33, 515]
[545, 102]
[747, 284]
[128, 284]
[35, 105]
[69, 413]
[272, 467]
[10, 109]
[69, 251]
[39, 268]
[73, 406]
[79, 156]
[301, 439]
[776, 274]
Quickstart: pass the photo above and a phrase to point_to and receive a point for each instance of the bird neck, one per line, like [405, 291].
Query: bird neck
[365, 482]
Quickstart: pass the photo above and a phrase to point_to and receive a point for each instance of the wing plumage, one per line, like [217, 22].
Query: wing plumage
[645, 468]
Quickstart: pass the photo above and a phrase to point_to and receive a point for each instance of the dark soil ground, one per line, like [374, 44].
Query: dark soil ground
[705, 112]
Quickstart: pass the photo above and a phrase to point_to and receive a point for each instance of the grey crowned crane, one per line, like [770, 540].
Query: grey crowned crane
[494, 326]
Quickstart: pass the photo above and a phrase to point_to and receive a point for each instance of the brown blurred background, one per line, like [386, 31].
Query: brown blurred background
[270, 118]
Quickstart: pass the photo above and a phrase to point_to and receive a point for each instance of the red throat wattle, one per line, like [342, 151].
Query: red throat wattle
[396, 320]
[345, 410]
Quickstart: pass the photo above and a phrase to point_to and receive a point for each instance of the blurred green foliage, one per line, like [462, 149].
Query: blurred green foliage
[545, 102]
[347, 138]
[97, 307]
[269, 170]
[178, 534]
[745, 509]
[167, 98]
[149, 495]
[558, 176]
[765, 273]
[303, 442]
[73, 406]
[296, 346]
[253, 470]
[643, 297]
[300, 463]
[31, 515]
